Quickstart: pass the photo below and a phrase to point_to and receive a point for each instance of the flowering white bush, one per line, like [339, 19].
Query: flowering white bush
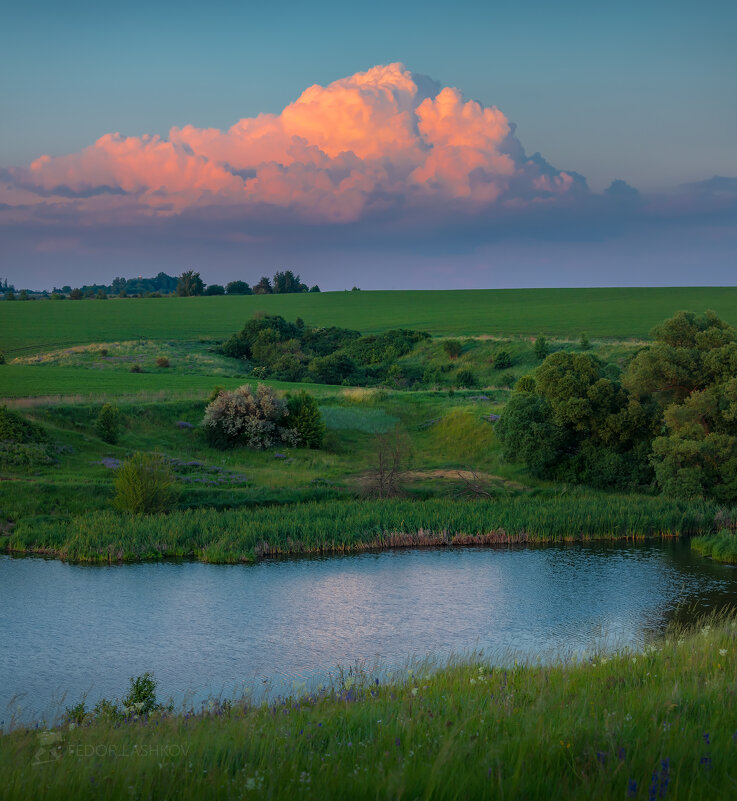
[242, 417]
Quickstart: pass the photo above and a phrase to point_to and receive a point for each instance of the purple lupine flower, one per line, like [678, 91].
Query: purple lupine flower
[632, 788]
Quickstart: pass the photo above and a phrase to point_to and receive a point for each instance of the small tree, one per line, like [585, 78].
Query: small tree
[144, 484]
[238, 288]
[391, 455]
[263, 287]
[76, 294]
[23, 294]
[215, 289]
[315, 288]
[305, 418]
[541, 347]
[101, 294]
[502, 360]
[107, 424]
[190, 284]
[452, 348]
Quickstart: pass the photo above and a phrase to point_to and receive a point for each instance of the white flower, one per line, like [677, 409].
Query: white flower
[414, 691]
[473, 681]
[722, 652]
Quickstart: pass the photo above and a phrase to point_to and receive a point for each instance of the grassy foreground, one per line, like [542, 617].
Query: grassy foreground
[652, 725]
[240, 535]
[28, 327]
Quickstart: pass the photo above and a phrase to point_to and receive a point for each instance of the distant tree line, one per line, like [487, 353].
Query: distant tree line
[188, 284]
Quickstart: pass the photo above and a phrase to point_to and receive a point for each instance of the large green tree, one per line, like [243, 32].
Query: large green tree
[190, 283]
[691, 370]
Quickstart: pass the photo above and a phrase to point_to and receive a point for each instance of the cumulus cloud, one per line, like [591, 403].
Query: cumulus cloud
[378, 141]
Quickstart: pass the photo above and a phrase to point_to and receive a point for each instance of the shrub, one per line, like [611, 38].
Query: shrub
[141, 698]
[216, 390]
[2, 357]
[76, 294]
[453, 348]
[306, 420]
[584, 343]
[466, 378]
[243, 417]
[15, 428]
[103, 352]
[136, 368]
[107, 424]
[215, 289]
[502, 360]
[541, 348]
[162, 361]
[144, 484]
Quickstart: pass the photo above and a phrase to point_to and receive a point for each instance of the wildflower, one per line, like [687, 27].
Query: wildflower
[250, 783]
[632, 788]
[473, 681]
[414, 691]
[634, 660]
[706, 738]
[722, 652]
[397, 742]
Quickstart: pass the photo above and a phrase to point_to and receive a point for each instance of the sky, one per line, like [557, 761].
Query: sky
[390, 145]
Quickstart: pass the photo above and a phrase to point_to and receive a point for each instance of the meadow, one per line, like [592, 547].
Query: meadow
[654, 724]
[35, 326]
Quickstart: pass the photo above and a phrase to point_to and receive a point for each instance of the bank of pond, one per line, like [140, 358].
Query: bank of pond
[338, 526]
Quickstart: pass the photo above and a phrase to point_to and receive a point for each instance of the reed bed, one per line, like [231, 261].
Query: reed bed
[658, 724]
[334, 526]
[721, 546]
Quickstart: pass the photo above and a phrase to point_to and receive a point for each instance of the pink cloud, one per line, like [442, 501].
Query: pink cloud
[336, 154]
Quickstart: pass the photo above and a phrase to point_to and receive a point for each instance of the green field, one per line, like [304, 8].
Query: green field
[33, 326]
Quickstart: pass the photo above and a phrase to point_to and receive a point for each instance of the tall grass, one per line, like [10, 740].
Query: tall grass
[335, 526]
[721, 546]
[653, 725]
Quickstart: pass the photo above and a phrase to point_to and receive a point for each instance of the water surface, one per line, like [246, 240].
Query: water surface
[212, 629]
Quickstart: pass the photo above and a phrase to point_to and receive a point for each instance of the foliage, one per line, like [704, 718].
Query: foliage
[466, 378]
[14, 427]
[263, 287]
[541, 348]
[190, 283]
[304, 417]
[238, 288]
[332, 369]
[144, 484]
[584, 342]
[453, 348]
[287, 282]
[573, 423]
[215, 289]
[107, 424]
[247, 418]
[2, 357]
[136, 368]
[502, 360]
[141, 698]
[162, 361]
[691, 370]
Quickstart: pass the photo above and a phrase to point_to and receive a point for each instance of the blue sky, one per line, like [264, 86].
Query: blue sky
[644, 92]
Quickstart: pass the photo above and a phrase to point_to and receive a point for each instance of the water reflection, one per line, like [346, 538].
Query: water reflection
[216, 628]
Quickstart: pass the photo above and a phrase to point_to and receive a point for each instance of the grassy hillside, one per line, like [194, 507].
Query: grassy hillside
[27, 327]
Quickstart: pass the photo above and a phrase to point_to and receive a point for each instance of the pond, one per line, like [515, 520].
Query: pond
[217, 629]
